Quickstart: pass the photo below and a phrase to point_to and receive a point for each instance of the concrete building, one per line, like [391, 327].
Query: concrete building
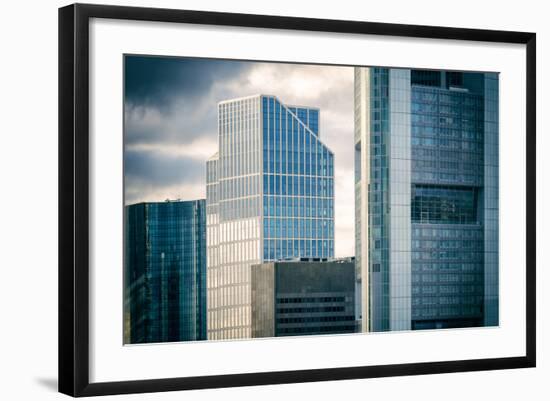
[303, 297]
[165, 271]
[269, 197]
[426, 184]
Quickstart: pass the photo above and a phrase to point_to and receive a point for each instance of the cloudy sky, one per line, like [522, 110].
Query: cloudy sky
[170, 123]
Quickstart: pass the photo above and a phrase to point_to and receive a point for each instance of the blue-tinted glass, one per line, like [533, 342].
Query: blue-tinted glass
[165, 242]
[302, 115]
[283, 205]
[266, 228]
[290, 228]
[283, 143]
[276, 200]
[272, 206]
[315, 158]
[296, 146]
[271, 249]
[272, 184]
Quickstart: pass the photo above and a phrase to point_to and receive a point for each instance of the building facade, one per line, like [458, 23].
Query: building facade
[426, 187]
[269, 197]
[165, 271]
[303, 297]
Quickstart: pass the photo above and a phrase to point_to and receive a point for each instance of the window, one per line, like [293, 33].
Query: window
[443, 204]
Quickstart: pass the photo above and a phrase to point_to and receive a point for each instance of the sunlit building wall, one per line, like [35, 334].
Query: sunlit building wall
[270, 197]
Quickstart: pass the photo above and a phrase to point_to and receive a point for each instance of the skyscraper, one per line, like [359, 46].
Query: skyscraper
[426, 181]
[269, 197]
[303, 297]
[165, 271]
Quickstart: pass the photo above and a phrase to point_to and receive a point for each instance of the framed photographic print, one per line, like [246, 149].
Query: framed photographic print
[249, 199]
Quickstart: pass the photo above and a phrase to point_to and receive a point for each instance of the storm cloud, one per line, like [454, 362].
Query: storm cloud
[158, 81]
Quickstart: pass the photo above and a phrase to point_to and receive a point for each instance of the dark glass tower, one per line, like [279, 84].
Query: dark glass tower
[427, 198]
[165, 271]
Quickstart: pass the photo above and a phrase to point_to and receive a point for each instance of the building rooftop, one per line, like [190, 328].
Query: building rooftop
[347, 259]
[178, 200]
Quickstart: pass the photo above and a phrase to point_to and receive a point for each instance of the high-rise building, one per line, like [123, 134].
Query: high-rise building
[269, 197]
[303, 297]
[426, 182]
[165, 271]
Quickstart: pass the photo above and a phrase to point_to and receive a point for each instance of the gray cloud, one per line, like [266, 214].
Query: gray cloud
[157, 81]
[172, 100]
[146, 172]
[162, 169]
[186, 121]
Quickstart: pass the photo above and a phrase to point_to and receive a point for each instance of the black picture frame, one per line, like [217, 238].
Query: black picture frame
[74, 198]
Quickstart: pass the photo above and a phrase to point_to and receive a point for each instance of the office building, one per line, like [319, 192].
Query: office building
[303, 297]
[165, 271]
[269, 197]
[426, 189]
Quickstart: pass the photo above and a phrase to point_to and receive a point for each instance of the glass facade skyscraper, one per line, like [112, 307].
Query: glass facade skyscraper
[165, 271]
[270, 196]
[426, 182]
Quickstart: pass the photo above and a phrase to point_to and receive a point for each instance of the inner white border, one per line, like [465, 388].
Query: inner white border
[110, 361]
